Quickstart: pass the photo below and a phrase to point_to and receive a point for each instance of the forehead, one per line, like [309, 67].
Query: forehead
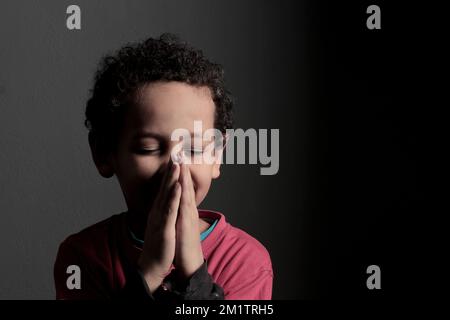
[163, 107]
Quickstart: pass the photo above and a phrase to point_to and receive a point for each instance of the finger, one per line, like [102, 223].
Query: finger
[187, 185]
[173, 204]
[162, 190]
[182, 179]
[159, 199]
[174, 174]
[185, 195]
[168, 172]
[192, 195]
[168, 182]
[190, 186]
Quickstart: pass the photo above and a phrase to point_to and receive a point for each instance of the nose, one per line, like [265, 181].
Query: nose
[165, 163]
[168, 158]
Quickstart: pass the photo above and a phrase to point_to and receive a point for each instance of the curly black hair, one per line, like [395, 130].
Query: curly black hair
[166, 58]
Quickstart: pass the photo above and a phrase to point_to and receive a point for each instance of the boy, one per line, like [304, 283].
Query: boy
[163, 247]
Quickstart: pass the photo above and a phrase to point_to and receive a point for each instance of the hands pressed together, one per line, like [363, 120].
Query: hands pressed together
[172, 234]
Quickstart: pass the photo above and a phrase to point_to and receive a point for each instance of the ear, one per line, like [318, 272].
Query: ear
[102, 159]
[216, 170]
[219, 158]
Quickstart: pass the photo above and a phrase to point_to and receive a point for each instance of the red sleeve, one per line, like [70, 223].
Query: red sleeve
[96, 279]
[93, 285]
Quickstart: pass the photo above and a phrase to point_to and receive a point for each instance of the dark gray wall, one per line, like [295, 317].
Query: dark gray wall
[49, 186]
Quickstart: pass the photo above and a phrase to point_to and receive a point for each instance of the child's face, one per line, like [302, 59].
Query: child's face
[162, 107]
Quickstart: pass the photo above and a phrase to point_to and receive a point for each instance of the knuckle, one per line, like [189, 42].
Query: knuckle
[170, 210]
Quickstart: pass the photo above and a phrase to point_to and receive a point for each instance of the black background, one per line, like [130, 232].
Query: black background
[373, 120]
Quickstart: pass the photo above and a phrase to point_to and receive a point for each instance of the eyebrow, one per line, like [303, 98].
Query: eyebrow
[147, 134]
[140, 135]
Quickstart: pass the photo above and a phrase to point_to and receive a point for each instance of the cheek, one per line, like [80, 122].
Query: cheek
[139, 175]
[138, 168]
[147, 175]
[201, 176]
[146, 167]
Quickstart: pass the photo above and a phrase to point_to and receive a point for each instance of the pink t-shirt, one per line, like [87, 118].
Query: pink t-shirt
[237, 262]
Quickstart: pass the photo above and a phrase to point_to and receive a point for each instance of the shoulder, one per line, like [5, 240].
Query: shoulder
[241, 264]
[92, 250]
[233, 246]
[248, 246]
[94, 239]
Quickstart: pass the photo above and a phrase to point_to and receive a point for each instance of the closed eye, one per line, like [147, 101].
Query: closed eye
[147, 151]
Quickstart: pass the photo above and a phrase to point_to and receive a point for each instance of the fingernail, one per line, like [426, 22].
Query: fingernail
[177, 158]
[182, 158]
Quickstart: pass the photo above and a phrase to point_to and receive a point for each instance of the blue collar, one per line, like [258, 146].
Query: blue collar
[203, 235]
